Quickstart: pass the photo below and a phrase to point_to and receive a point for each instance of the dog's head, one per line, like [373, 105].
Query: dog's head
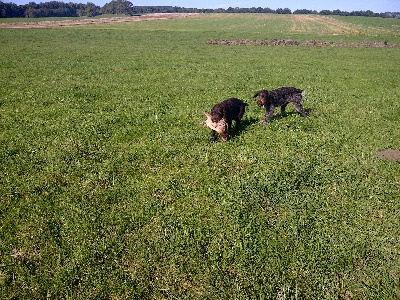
[219, 126]
[262, 97]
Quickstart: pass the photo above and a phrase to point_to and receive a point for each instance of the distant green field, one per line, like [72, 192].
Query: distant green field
[111, 189]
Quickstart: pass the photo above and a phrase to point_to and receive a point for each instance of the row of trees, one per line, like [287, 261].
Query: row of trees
[48, 9]
[61, 9]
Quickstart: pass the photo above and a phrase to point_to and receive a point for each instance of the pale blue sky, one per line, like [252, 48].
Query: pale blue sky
[376, 6]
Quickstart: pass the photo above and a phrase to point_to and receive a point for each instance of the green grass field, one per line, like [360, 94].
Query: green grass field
[111, 189]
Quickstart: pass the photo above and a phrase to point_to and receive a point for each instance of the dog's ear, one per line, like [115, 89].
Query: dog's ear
[262, 93]
[207, 114]
[208, 122]
[256, 94]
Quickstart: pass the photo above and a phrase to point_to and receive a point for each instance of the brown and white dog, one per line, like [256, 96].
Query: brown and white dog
[221, 117]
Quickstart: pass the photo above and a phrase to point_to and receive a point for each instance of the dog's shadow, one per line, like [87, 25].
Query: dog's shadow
[279, 116]
[244, 124]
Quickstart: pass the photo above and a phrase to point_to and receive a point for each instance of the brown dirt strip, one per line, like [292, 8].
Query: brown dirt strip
[302, 43]
[389, 154]
[61, 23]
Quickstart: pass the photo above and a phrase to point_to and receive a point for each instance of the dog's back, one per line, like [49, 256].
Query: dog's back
[284, 95]
[280, 97]
[229, 109]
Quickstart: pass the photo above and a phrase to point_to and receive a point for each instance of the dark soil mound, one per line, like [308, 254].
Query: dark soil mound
[311, 43]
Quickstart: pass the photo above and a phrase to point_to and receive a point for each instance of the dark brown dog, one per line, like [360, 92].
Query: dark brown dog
[280, 97]
[221, 117]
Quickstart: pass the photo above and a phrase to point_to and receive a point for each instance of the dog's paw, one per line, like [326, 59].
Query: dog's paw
[263, 122]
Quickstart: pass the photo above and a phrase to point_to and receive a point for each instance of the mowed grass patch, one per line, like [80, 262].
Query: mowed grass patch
[110, 187]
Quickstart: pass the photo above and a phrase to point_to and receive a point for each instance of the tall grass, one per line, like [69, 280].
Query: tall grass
[110, 188]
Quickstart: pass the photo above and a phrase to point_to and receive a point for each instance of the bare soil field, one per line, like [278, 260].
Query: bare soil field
[60, 23]
[323, 25]
[305, 23]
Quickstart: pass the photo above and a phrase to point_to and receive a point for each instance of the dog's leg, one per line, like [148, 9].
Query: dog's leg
[229, 122]
[237, 123]
[283, 108]
[299, 107]
[240, 116]
[238, 119]
[213, 135]
[269, 111]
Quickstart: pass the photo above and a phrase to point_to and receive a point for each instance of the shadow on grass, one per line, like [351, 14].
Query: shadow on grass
[287, 114]
[244, 124]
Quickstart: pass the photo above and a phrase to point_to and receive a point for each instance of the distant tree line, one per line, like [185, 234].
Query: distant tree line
[61, 9]
[48, 9]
